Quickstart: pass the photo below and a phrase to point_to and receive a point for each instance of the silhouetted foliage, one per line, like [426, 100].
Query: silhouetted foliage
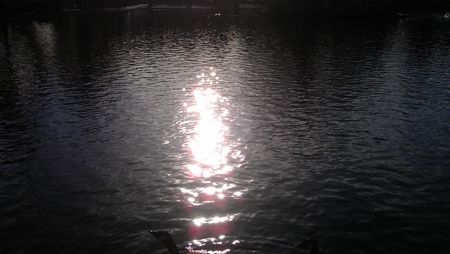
[363, 7]
[11, 6]
[275, 7]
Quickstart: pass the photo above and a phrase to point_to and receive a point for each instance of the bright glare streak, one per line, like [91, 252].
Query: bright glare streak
[193, 250]
[237, 193]
[214, 220]
[199, 221]
[207, 143]
[210, 151]
[210, 190]
[219, 191]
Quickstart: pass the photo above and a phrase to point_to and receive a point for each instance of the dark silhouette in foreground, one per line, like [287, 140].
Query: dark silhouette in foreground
[309, 244]
[165, 238]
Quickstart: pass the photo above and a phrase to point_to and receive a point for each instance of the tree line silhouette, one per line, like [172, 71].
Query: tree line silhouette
[365, 7]
[272, 6]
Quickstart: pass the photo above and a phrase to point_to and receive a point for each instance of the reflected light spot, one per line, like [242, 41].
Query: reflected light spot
[210, 194]
[210, 150]
[210, 190]
[214, 220]
[199, 221]
[207, 143]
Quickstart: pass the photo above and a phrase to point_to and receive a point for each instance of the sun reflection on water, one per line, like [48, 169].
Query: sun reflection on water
[213, 159]
[207, 144]
[200, 246]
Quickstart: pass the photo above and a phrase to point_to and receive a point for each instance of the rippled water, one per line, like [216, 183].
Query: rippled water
[230, 128]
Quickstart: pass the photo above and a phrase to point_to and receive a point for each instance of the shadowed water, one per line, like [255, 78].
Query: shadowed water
[233, 129]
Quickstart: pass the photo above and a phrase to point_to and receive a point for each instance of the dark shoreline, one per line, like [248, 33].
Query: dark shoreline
[139, 7]
[261, 9]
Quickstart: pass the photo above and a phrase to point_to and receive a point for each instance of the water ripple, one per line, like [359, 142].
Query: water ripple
[333, 130]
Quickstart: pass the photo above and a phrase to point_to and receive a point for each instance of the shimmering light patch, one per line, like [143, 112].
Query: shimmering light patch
[207, 246]
[210, 226]
[237, 194]
[208, 194]
[199, 221]
[213, 220]
[195, 251]
[210, 190]
[207, 143]
[197, 242]
[210, 152]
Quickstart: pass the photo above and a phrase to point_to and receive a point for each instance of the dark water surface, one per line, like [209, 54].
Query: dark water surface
[232, 129]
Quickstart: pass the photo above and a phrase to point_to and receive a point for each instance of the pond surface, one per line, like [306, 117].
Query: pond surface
[235, 132]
